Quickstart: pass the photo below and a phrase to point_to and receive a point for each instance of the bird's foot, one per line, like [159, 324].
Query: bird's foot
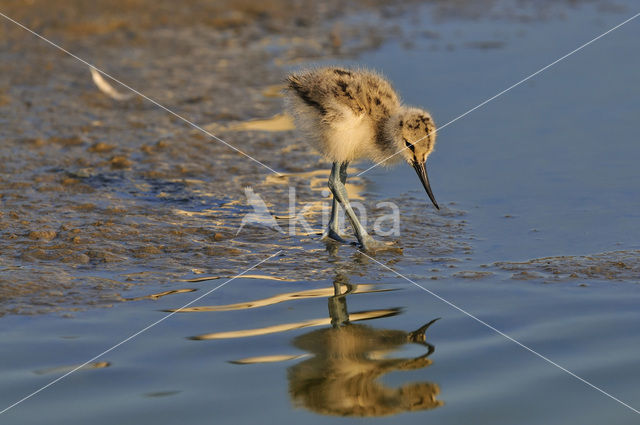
[371, 245]
[335, 236]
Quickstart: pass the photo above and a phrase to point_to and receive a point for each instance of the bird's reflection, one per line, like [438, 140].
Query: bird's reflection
[343, 362]
[342, 377]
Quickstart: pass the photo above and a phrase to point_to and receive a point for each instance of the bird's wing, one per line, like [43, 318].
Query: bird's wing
[345, 89]
[327, 89]
[305, 87]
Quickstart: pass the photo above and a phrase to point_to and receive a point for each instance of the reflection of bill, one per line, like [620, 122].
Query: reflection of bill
[260, 214]
[342, 376]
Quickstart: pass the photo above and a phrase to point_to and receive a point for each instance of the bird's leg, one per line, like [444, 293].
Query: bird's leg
[333, 231]
[337, 180]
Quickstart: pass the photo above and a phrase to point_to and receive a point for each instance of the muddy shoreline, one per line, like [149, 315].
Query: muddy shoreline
[100, 195]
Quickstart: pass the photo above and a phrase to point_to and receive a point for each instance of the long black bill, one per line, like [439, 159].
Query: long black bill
[421, 169]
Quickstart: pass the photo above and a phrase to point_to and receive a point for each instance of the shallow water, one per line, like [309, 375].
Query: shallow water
[538, 239]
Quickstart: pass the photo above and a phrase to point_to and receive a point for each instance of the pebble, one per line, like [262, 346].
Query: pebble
[43, 235]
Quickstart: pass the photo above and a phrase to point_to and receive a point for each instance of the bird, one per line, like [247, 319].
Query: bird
[352, 114]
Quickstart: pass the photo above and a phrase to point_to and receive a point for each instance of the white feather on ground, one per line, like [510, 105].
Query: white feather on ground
[107, 88]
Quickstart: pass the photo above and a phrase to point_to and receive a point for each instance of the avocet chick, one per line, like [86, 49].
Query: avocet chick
[355, 114]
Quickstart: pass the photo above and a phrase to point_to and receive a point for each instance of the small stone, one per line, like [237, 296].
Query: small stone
[103, 256]
[119, 162]
[35, 254]
[470, 274]
[34, 142]
[43, 235]
[218, 251]
[146, 149]
[78, 240]
[146, 251]
[67, 141]
[77, 258]
[101, 147]
[69, 181]
[84, 207]
[4, 99]
[115, 210]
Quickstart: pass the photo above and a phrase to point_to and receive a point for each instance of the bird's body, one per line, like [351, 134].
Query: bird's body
[341, 111]
[353, 114]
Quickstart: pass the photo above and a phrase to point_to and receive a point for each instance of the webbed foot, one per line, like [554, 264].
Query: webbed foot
[333, 235]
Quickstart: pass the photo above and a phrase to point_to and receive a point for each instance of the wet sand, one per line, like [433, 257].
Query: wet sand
[99, 195]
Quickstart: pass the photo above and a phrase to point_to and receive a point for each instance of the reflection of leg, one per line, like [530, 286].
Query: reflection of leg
[341, 280]
[338, 302]
[337, 181]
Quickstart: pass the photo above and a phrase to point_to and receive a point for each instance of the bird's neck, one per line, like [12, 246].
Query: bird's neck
[386, 135]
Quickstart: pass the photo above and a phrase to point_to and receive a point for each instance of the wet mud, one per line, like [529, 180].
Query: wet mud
[100, 195]
[608, 266]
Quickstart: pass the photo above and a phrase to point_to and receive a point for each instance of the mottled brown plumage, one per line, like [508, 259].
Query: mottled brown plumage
[355, 114]
[352, 114]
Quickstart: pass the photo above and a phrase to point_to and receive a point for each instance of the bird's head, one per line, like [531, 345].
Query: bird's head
[414, 132]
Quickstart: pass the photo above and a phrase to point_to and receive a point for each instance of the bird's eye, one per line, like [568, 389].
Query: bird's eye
[409, 145]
